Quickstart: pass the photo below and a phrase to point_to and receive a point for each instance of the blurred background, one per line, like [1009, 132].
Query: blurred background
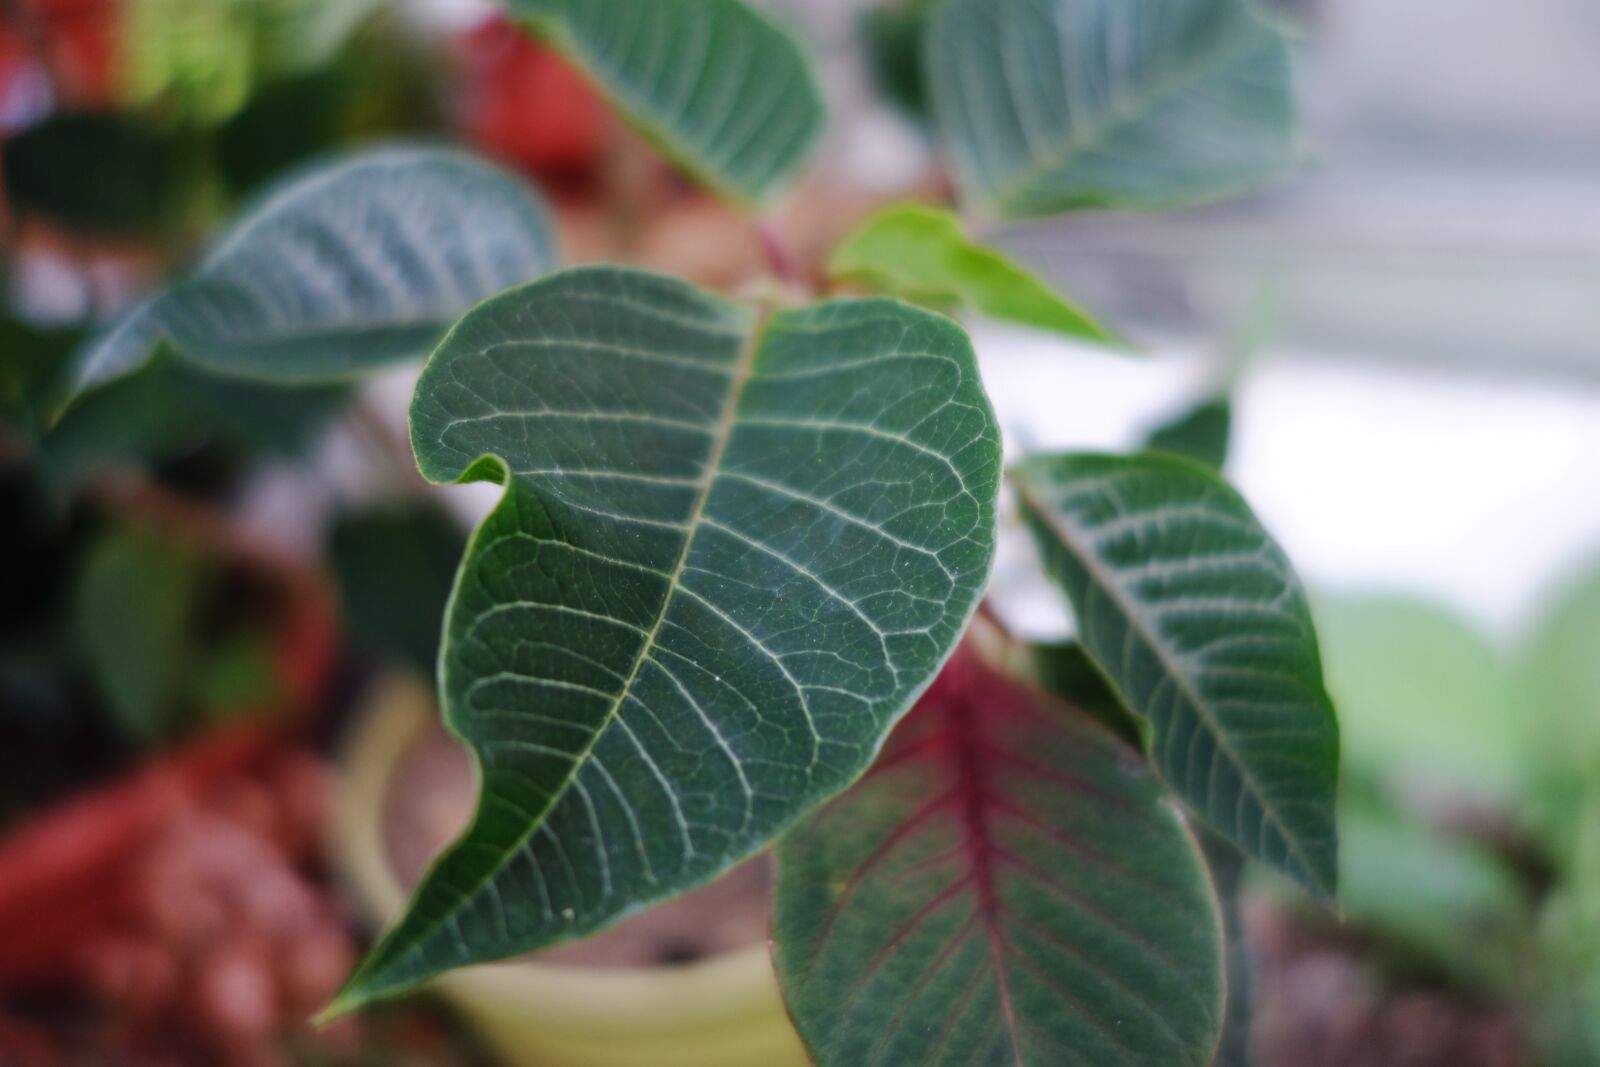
[198, 603]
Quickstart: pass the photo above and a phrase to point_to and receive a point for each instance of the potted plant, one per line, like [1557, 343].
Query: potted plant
[725, 602]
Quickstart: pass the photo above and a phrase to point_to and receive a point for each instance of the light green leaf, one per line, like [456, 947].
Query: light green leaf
[1052, 105]
[731, 550]
[1426, 704]
[342, 268]
[725, 92]
[1008, 885]
[1196, 616]
[924, 255]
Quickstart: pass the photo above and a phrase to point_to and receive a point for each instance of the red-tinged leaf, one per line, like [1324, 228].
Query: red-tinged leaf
[1008, 885]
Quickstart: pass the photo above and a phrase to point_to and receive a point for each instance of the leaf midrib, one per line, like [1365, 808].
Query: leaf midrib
[722, 432]
[1135, 622]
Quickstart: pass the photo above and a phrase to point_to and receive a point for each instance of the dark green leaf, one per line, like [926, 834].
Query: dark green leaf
[1226, 865]
[893, 35]
[923, 254]
[1008, 885]
[1066, 671]
[721, 89]
[167, 409]
[98, 173]
[1051, 105]
[342, 268]
[732, 548]
[136, 605]
[1197, 618]
[1200, 434]
[394, 565]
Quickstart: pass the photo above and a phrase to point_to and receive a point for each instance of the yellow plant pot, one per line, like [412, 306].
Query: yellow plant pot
[723, 1012]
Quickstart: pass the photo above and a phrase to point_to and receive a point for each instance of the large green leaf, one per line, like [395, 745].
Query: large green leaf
[721, 89]
[1052, 105]
[1196, 616]
[731, 550]
[923, 254]
[1008, 885]
[342, 268]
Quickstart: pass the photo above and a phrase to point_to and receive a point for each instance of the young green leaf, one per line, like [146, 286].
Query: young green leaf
[342, 268]
[1051, 105]
[1197, 618]
[732, 548]
[923, 254]
[1200, 434]
[1009, 884]
[725, 92]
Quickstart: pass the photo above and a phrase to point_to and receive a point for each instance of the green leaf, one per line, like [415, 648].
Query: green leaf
[892, 35]
[725, 92]
[923, 254]
[98, 173]
[1226, 865]
[1426, 705]
[1065, 671]
[731, 550]
[135, 611]
[369, 550]
[1008, 885]
[1052, 105]
[1196, 616]
[342, 268]
[1199, 434]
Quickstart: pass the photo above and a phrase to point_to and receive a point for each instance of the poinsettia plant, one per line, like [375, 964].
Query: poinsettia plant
[741, 536]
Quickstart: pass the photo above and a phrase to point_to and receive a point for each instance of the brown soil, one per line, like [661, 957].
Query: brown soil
[431, 803]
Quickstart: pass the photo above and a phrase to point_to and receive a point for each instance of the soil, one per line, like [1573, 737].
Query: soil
[1320, 1001]
[431, 803]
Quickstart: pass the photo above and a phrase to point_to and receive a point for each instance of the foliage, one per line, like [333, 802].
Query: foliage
[922, 255]
[739, 537]
[1048, 107]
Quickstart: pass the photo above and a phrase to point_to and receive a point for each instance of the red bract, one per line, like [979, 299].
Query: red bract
[522, 103]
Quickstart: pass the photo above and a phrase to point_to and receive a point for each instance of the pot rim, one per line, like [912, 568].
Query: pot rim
[681, 996]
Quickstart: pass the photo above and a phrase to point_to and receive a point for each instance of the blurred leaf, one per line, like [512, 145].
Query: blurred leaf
[1226, 865]
[1007, 885]
[744, 542]
[167, 409]
[32, 362]
[135, 607]
[367, 550]
[1200, 433]
[1559, 675]
[723, 90]
[1424, 701]
[923, 255]
[1065, 670]
[99, 173]
[1051, 105]
[893, 34]
[237, 678]
[1445, 899]
[342, 268]
[200, 62]
[1197, 618]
